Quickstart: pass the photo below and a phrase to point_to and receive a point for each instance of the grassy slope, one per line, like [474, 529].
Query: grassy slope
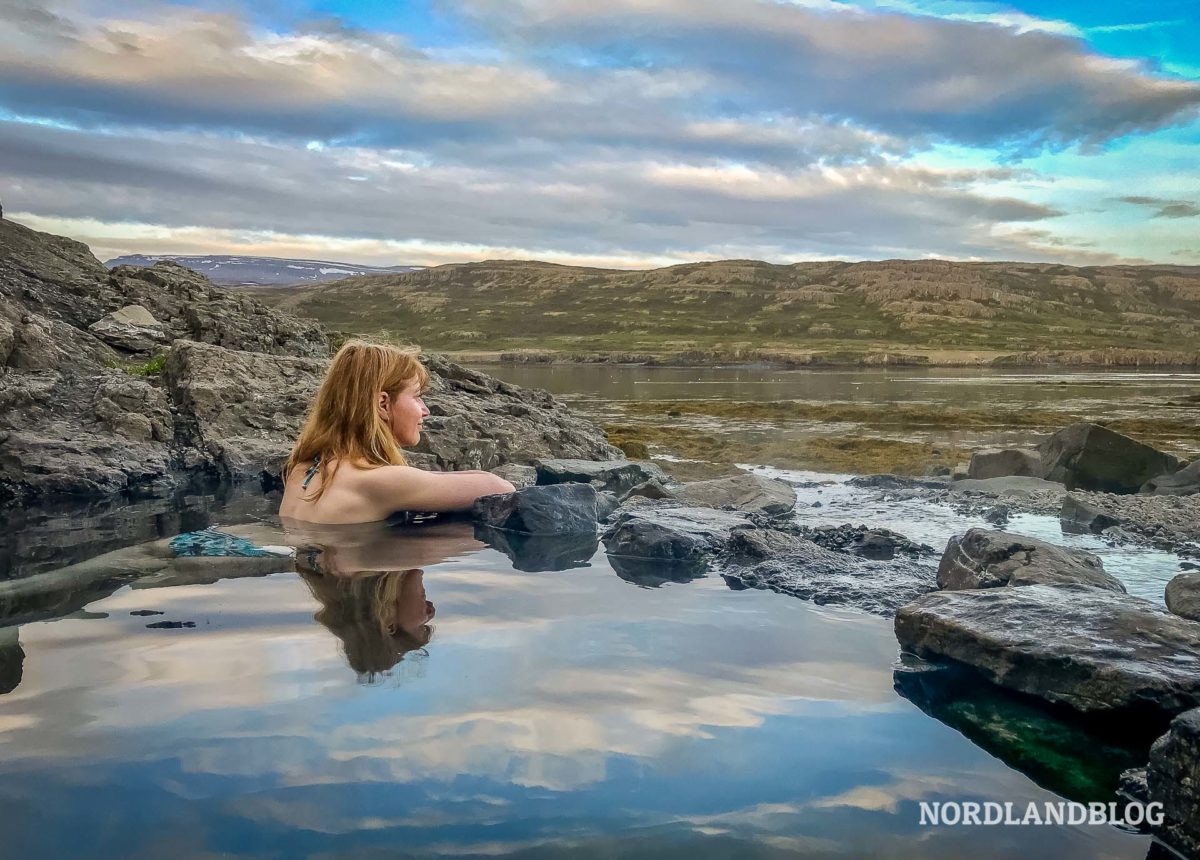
[747, 309]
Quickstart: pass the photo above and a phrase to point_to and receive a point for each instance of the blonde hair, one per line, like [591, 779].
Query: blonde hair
[344, 423]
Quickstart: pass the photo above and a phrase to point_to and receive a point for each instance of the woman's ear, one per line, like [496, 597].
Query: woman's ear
[383, 403]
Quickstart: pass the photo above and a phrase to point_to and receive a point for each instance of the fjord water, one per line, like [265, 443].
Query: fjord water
[575, 711]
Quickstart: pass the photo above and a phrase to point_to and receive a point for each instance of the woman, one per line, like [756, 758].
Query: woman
[347, 467]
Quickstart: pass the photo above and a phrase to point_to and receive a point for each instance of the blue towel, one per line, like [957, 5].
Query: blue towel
[213, 543]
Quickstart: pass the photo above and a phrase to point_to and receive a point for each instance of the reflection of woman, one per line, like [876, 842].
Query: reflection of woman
[369, 581]
[379, 617]
[347, 466]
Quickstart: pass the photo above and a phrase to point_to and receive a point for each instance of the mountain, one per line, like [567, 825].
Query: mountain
[927, 311]
[260, 271]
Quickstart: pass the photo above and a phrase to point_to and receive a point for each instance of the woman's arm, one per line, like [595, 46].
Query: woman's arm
[404, 488]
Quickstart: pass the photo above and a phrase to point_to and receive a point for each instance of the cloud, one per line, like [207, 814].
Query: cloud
[1166, 208]
[971, 81]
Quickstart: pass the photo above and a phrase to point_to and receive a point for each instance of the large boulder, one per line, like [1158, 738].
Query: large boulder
[753, 494]
[686, 535]
[560, 509]
[1173, 779]
[1183, 595]
[1091, 457]
[982, 558]
[132, 328]
[1092, 649]
[1003, 462]
[613, 475]
[1184, 482]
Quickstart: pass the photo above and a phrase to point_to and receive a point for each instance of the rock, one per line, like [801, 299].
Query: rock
[1183, 595]
[12, 659]
[997, 515]
[539, 553]
[1133, 785]
[1184, 482]
[1015, 486]
[240, 410]
[1091, 457]
[1173, 779]
[789, 564]
[895, 482]
[615, 476]
[651, 489]
[132, 328]
[689, 536]
[1094, 650]
[1005, 462]
[753, 494]
[874, 543]
[560, 509]
[1078, 515]
[517, 474]
[989, 559]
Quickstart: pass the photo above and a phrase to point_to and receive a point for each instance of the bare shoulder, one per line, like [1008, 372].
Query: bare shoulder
[409, 488]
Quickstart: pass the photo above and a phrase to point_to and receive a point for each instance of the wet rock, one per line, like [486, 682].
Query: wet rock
[861, 540]
[1003, 462]
[982, 558]
[12, 659]
[1173, 779]
[144, 612]
[997, 515]
[1015, 487]
[1078, 515]
[1184, 482]
[1133, 785]
[539, 553]
[613, 475]
[1183, 595]
[170, 625]
[690, 536]
[558, 509]
[1094, 650]
[895, 482]
[800, 568]
[1091, 457]
[750, 493]
[131, 328]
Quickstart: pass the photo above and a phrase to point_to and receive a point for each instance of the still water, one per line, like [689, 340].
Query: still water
[411, 692]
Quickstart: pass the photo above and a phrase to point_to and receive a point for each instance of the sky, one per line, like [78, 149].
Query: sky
[624, 133]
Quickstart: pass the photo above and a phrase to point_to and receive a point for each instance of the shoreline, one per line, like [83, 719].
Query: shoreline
[1071, 361]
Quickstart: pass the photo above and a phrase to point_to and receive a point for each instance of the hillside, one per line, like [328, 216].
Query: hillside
[934, 311]
[230, 270]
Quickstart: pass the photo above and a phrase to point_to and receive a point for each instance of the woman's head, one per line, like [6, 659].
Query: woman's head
[368, 405]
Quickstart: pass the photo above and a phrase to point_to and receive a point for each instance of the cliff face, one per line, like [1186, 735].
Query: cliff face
[727, 306]
[136, 379]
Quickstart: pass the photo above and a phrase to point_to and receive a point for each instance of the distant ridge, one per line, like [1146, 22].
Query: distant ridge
[232, 270]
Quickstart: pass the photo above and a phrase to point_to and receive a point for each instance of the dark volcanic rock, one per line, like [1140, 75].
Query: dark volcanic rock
[1076, 514]
[753, 494]
[1183, 595]
[1095, 650]
[987, 559]
[1090, 457]
[1173, 779]
[861, 540]
[789, 564]
[689, 536]
[1185, 482]
[559, 509]
[613, 475]
[1003, 462]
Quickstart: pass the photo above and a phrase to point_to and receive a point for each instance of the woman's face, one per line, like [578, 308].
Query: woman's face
[404, 413]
